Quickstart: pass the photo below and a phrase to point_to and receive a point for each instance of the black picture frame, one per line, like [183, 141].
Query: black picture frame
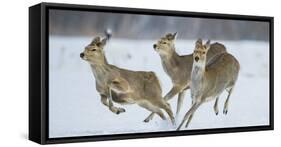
[38, 72]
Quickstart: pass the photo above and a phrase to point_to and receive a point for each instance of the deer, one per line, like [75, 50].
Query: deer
[210, 79]
[124, 86]
[178, 67]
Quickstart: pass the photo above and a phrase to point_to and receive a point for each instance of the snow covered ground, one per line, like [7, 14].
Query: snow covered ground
[75, 108]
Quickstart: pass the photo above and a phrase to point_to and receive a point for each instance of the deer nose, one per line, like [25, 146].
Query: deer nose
[154, 46]
[196, 58]
[82, 55]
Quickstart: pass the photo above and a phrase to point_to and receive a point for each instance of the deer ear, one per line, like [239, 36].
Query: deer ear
[96, 40]
[207, 45]
[103, 42]
[171, 36]
[198, 42]
[175, 35]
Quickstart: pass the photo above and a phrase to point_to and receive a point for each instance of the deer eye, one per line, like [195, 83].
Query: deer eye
[98, 44]
[164, 42]
[204, 52]
[93, 49]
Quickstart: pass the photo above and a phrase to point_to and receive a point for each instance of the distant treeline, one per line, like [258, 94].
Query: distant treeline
[130, 26]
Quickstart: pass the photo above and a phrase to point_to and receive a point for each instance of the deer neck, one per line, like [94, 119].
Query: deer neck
[197, 76]
[99, 63]
[104, 61]
[170, 59]
[100, 69]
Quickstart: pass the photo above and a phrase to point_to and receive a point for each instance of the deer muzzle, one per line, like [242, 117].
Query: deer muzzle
[82, 55]
[196, 58]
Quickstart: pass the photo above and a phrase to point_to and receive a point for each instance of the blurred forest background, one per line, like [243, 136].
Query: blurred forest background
[131, 26]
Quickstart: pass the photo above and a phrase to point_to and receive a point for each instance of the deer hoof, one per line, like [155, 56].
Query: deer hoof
[146, 120]
[173, 122]
[225, 112]
[120, 110]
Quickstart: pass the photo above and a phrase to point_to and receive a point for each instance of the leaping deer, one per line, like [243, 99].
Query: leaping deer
[124, 86]
[178, 67]
[210, 79]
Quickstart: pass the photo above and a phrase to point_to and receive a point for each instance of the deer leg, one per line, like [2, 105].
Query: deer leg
[151, 115]
[153, 108]
[190, 117]
[189, 120]
[216, 109]
[104, 100]
[167, 97]
[225, 109]
[180, 100]
[189, 113]
[166, 106]
[175, 90]
[112, 108]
